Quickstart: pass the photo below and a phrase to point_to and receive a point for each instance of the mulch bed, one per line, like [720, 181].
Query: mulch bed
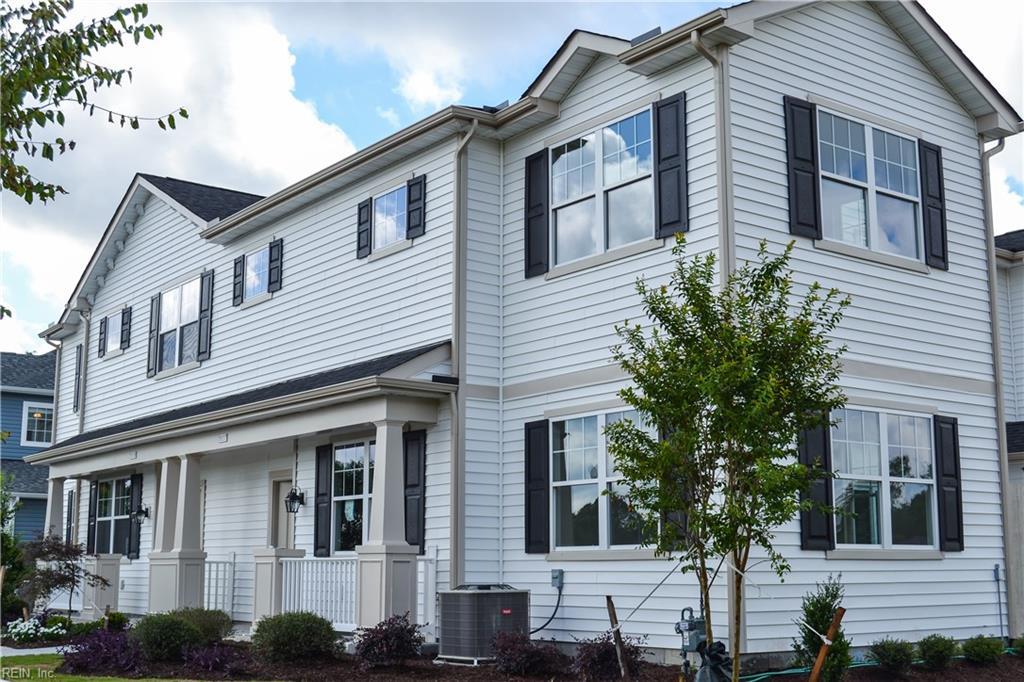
[1009, 669]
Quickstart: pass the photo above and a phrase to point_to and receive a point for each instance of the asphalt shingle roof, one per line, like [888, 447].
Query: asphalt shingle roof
[339, 375]
[27, 370]
[205, 201]
[27, 478]
[1011, 241]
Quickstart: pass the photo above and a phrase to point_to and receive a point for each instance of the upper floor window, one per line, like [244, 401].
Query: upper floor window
[37, 424]
[389, 217]
[112, 337]
[257, 270]
[602, 190]
[885, 484]
[113, 516]
[352, 494]
[581, 468]
[870, 186]
[179, 325]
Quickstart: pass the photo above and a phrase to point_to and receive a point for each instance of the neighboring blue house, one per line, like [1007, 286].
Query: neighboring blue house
[26, 413]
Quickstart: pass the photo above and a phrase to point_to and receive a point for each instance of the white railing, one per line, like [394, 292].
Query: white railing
[219, 585]
[326, 587]
[426, 599]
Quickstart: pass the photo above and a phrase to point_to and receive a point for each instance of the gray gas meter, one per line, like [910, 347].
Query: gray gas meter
[692, 630]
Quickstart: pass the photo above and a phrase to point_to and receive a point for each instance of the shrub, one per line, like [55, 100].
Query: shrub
[163, 636]
[62, 621]
[596, 658]
[982, 650]
[291, 637]
[1018, 644]
[103, 651]
[31, 630]
[226, 660]
[516, 654]
[894, 655]
[819, 607]
[117, 621]
[213, 625]
[936, 651]
[389, 642]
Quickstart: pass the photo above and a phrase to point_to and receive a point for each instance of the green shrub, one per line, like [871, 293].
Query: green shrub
[293, 637]
[163, 636]
[117, 621]
[818, 609]
[937, 651]
[62, 621]
[80, 629]
[893, 655]
[982, 650]
[213, 625]
[1018, 644]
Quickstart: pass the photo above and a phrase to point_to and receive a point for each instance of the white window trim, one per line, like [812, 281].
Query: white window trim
[27, 407]
[872, 190]
[178, 365]
[886, 547]
[266, 293]
[600, 195]
[113, 517]
[373, 219]
[114, 352]
[366, 496]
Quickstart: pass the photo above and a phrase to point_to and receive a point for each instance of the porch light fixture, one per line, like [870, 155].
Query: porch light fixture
[293, 500]
[141, 513]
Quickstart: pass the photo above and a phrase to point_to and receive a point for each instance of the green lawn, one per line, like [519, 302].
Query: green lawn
[37, 666]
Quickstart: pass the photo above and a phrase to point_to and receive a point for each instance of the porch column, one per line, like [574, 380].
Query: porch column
[54, 507]
[386, 569]
[177, 564]
[268, 579]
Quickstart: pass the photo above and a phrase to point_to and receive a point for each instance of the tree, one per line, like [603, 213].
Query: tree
[47, 69]
[727, 378]
[56, 566]
[818, 608]
[13, 567]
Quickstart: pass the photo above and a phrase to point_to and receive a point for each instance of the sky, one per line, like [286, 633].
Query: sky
[277, 91]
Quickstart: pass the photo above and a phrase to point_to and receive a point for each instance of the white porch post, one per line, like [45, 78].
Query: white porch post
[54, 507]
[386, 569]
[177, 564]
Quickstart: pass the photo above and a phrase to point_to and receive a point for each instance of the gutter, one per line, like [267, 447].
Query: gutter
[680, 35]
[1014, 572]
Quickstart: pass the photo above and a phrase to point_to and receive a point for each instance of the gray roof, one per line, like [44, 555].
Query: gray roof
[27, 370]
[27, 478]
[206, 201]
[1011, 241]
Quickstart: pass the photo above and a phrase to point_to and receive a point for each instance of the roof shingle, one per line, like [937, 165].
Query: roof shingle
[27, 370]
[26, 477]
[206, 201]
[1011, 241]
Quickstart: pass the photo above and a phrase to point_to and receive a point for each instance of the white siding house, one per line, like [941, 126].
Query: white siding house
[440, 307]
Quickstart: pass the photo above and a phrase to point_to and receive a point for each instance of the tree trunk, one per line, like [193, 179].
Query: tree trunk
[737, 616]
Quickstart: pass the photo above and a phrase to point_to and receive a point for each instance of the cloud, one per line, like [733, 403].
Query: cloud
[50, 261]
[389, 115]
[426, 89]
[22, 336]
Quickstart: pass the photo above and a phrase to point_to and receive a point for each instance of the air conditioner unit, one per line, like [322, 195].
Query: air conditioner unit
[470, 615]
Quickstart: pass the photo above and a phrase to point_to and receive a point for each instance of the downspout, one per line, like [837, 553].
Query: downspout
[501, 366]
[1014, 577]
[457, 400]
[87, 316]
[56, 385]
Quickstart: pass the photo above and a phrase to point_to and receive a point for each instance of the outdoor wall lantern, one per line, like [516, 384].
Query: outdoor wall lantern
[293, 500]
[141, 513]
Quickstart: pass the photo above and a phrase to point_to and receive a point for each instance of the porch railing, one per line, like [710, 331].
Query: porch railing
[219, 585]
[326, 587]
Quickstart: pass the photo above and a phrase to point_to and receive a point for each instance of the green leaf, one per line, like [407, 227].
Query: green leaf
[170, 121]
[182, 112]
[160, 122]
[135, 123]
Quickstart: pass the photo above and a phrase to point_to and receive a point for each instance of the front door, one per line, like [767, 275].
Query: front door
[283, 521]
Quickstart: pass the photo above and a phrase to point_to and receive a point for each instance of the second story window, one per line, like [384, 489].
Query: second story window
[179, 325]
[257, 268]
[112, 339]
[389, 217]
[37, 425]
[870, 187]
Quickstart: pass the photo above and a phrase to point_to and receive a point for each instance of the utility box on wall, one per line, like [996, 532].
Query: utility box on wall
[470, 615]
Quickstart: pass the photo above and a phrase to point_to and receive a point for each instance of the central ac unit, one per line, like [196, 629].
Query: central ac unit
[470, 615]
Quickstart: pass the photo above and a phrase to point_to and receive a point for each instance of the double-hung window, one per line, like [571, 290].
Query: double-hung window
[257, 273]
[884, 490]
[352, 493]
[112, 339]
[179, 325]
[602, 189]
[37, 424]
[870, 186]
[581, 468]
[113, 516]
[389, 217]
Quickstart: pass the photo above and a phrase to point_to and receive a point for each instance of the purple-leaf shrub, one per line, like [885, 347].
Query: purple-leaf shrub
[103, 651]
[228, 661]
[389, 642]
[596, 658]
[516, 654]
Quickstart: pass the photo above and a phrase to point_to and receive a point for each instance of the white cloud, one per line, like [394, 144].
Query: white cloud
[389, 115]
[53, 259]
[426, 89]
[22, 336]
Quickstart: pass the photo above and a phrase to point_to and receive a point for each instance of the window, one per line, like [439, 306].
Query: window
[581, 468]
[389, 221]
[870, 194]
[179, 325]
[112, 340]
[257, 273]
[113, 516]
[37, 424]
[885, 485]
[352, 493]
[601, 206]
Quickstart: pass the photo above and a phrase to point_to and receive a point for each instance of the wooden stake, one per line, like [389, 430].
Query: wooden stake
[833, 630]
[620, 651]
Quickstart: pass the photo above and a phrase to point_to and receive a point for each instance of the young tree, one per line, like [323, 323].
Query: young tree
[12, 566]
[728, 377]
[57, 566]
[818, 608]
[47, 68]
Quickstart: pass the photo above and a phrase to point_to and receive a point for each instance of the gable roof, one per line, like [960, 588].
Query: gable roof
[206, 201]
[1011, 241]
[28, 370]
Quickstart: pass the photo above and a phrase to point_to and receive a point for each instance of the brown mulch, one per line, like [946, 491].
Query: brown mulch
[1009, 669]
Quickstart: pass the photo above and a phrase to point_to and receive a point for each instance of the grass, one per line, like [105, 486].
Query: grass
[41, 666]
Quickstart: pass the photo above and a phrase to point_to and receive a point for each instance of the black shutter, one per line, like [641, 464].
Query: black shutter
[69, 521]
[153, 361]
[535, 218]
[126, 328]
[322, 501]
[364, 224]
[415, 455]
[78, 378]
[802, 161]
[947, 474]
[205, 315]
[102, 350]
[238, 281]
[538, 483]
[90, 542]
[816, 529]
[670, 195]
[416, 207]
[135, 531]
[936, 253]
[275, 258]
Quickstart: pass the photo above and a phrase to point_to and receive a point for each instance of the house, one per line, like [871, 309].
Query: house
[390, 378]
[26, 413]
